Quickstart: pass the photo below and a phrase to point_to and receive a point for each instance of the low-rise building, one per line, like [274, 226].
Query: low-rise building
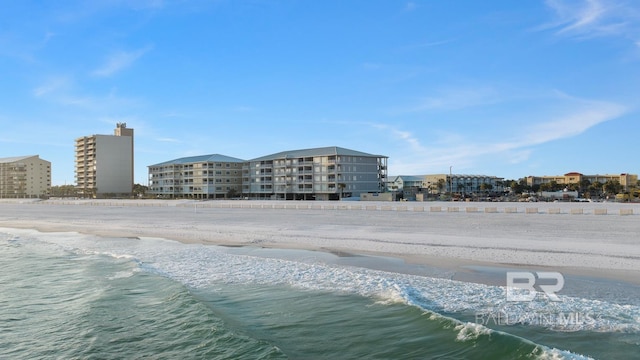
[24, 177]
[201, 177]
[404, 182]
[626, 180]
[447, 183]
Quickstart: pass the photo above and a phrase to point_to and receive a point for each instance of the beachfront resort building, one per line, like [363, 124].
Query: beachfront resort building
[212, 176]
[326, 173]
[104, 163]
[625, 180]
[24, 177]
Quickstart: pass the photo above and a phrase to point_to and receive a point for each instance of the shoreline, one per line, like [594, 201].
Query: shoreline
[469, 247]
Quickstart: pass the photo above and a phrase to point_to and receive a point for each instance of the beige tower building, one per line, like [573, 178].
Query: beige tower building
[104, 163]
[24, 177]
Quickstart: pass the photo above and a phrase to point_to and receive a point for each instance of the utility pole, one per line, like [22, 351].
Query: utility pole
[451, 182]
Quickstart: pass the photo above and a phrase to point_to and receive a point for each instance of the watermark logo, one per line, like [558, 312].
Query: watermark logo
[556, 320]
[524, 286]
[521, 285]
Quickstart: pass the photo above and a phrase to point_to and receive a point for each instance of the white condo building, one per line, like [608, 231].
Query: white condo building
[104, 163]
[327, 173]
[24, 177]
[201, 177]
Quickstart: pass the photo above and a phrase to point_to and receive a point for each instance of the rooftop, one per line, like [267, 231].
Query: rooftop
[322, 151]
[201, 159]
[15, 158]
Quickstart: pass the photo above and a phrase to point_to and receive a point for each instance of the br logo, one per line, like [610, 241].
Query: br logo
[521, 285]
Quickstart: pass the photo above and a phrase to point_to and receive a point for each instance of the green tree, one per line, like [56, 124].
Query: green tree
[515, 186]
[63, 191]
[341, 186]
[140, 190]
[584, 185]
[232, 193]
[486, 187]
[441, 185]
[612, 187]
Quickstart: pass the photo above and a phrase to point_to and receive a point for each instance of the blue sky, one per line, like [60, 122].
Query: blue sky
[506, 88]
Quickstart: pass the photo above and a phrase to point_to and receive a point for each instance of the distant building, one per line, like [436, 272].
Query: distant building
[626, 180]
[403, 182]
[408, 185]
[446, 183]
[104, 163]
[327, 173]
[24, 177]
[200, 177]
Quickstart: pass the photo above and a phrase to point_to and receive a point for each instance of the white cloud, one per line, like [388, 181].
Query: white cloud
[457, 98]
[63, 91]
[405, 136]
[243, 109]
[119, 61]
[371, 66]
[466, 150]
[577, 18]
[51, 86]
[574, 123]
[433, 43]
[170, 140]
[593, 18]
[48, 36]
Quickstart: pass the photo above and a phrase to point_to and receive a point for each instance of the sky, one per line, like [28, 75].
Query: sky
[503, 88]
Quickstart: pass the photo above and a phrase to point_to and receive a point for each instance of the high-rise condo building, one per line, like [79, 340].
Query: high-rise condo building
[24, 177]
[104, 163]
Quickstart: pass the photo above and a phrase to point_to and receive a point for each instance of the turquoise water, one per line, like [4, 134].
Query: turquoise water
[69, 296]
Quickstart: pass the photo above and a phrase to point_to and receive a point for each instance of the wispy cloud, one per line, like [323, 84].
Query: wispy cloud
[169, 140]
[405, 136]
[594, 18]
[465, 150]
[410, 6]
[51, 86]
[434, 43]
[457, 98]
[427, 44]
[371, 66]
[243, 109]
[580, 120]
[577, 18]
[64, 92]
[119, 61]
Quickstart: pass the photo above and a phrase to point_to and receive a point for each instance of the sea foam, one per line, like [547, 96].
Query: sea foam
[199, 266]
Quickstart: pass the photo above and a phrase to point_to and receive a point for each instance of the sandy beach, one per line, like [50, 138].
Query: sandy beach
[590, 239]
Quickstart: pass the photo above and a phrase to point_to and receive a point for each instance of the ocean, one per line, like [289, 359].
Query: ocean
[74, 296]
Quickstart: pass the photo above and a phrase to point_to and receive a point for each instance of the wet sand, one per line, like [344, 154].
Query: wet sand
[475, 242]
